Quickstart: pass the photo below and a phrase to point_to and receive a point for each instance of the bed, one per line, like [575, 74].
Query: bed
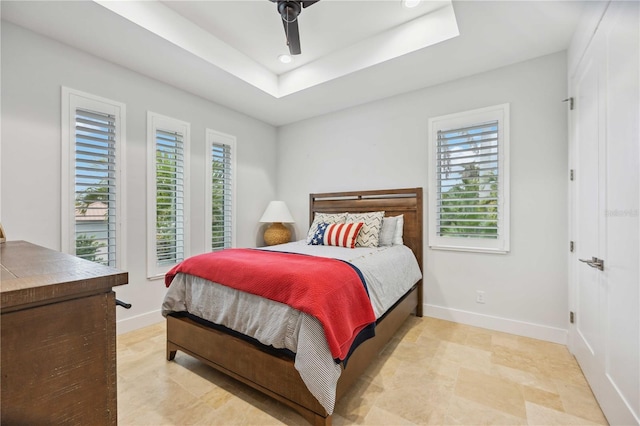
[274, 373]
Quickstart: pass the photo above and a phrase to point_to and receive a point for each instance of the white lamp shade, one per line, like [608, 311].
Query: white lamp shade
[277, 211]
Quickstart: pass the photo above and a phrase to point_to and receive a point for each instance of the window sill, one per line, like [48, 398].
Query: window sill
[470, 249]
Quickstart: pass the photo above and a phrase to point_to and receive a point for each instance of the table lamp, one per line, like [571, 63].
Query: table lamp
[277, 213]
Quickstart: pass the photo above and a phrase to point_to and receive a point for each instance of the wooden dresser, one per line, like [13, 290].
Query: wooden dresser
[58, 337]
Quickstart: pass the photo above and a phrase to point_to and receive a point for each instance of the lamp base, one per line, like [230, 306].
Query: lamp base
[277, 233]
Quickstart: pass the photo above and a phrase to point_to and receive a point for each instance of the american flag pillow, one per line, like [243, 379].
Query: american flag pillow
[337, 234]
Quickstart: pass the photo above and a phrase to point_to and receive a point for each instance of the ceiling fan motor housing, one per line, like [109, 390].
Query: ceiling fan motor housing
[289, 10]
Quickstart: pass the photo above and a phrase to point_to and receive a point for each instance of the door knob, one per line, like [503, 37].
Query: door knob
[594, 262]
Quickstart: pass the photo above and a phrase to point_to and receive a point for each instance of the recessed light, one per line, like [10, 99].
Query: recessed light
[410, 3]
[285, 59]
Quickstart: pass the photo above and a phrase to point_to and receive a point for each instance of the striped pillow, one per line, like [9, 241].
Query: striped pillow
[337, 234]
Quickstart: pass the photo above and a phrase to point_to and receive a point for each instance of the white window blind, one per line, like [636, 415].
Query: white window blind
[168, 141]
[95, 186]
[170, 201]
[221, 196]
[221, 178]
[467, 174]
[92, 178]
[469, 180]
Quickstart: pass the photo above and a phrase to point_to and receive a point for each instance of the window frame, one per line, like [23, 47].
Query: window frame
[157, 122]
[218, 138]
[500, 245]
[71, 100]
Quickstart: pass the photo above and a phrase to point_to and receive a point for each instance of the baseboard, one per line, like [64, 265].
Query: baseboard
[519, 328]
[139, 321]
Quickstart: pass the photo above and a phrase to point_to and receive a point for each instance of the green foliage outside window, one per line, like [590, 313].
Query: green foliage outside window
[87, 248]
[219, 201]
[471, 204]
[169, 204]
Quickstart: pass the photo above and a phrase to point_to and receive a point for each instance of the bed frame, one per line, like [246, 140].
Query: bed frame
[275, 375]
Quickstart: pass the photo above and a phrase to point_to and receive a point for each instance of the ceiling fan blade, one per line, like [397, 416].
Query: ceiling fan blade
[307, 3]
[293, 36]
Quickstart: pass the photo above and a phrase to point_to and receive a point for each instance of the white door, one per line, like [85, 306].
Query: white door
[606, 336]
[588, 119]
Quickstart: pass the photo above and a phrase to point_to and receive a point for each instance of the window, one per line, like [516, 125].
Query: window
[469, 180]
[220, 208]
[168, 193]
[93, 177]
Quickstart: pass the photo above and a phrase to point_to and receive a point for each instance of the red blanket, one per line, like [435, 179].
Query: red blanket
[331, 290]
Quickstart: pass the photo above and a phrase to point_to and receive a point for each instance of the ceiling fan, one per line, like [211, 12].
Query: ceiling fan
[289, 11]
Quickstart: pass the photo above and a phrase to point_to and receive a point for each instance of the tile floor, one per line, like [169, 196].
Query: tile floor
[433, 372]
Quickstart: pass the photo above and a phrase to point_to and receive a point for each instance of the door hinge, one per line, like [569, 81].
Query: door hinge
[571, 175]
[572, 317]
[571, 246]
[570, 100]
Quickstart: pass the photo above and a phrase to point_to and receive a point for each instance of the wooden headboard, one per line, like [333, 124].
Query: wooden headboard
[407, 202]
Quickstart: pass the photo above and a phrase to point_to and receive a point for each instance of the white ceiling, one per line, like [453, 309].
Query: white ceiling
[331, 55]
[324, 27]
[353, 52]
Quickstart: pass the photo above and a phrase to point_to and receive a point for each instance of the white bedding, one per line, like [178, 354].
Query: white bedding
[389, 273]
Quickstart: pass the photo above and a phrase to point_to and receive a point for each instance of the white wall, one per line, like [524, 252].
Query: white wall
[33, 70]
[378, 145]
[384, 145]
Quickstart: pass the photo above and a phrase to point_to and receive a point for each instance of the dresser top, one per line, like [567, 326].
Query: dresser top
[33, 275]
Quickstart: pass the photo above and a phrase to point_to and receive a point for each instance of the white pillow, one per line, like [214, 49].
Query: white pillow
[328, 218]
[397, 237]
[388, 231]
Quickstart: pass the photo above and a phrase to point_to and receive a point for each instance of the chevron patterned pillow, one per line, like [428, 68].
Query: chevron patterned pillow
[369, 235]
[328, 218]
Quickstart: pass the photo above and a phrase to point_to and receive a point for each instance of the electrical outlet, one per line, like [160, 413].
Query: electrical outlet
[479, 296]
